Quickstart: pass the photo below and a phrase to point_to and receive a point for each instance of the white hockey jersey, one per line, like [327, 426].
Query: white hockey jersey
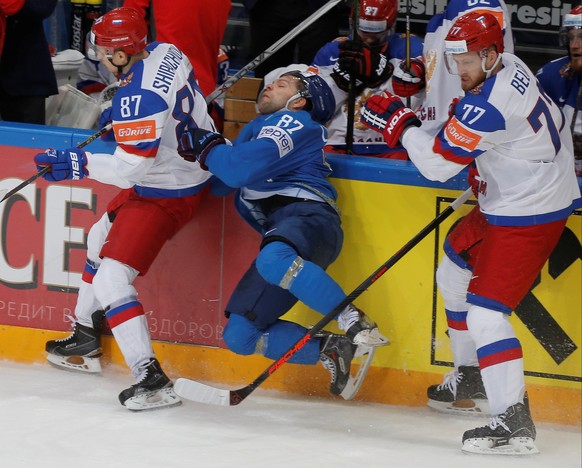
[157, 99]
[521, 144]
[441, 86]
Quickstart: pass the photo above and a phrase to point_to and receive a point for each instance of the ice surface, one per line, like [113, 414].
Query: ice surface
[53, 418]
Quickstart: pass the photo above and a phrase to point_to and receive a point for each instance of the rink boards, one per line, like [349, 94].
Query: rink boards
[384, 204]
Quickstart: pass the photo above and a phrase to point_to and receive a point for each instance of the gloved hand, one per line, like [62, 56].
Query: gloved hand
[65, 164]
[342, 80]
[386, 114]
[104, 119]
[368, 65]
[409, 81]
[196, 143]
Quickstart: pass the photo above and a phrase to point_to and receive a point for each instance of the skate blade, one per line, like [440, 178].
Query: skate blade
[158, 399]
[467, 407]
[370, 337]
[515, 446]
[87, 365]
[358, 371]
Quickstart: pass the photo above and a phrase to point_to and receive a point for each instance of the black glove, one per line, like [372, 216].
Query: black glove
[196, 143]
[368, 65]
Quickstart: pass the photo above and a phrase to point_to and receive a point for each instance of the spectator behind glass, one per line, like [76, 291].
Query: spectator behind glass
[270, 20]
[27, 76]
[196, 27]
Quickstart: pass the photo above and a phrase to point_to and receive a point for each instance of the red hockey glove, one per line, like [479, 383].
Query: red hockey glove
[196, 143]
[453, 107]
[408, 82]
[386, 114]
[367, 65]
[65, 164]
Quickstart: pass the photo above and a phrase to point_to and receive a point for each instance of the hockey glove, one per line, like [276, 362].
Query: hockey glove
[105, 119]
[342, 80]
[386, 114]
[65, 164]
[196, 143]
[368, 65]
[409, 81]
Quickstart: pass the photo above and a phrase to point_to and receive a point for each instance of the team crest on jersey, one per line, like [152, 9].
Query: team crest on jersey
[135, 131]
[459, 135]
[126, 80]
[430, 63]
[566, 71]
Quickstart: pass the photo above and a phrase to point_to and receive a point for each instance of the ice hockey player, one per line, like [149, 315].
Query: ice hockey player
[278, 165]
[371, 55]
[561, 79]
[156, 100]
[527, 189]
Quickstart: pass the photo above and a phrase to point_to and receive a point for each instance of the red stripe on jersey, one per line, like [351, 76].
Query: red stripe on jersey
[502, 356]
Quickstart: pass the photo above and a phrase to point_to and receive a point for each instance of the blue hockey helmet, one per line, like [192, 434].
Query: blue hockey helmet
[321, 103]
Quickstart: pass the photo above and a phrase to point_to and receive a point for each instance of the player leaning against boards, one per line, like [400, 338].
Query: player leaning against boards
[277, 164]
[517, 137]
[157, 98]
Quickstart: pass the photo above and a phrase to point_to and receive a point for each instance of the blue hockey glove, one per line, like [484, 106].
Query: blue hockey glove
[105, 119]
[196, 143]
[387, 115]
[65, 164]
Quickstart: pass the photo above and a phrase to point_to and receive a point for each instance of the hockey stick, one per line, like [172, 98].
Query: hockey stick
[43, 171]
[352, 87]
[202, 393]
[271, 50]
[408, 44]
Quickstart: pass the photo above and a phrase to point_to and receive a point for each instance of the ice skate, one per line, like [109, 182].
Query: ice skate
[359, 328]
[81, 350]
[462, 392]
[338, 354]
[154, 390]
[511, 433]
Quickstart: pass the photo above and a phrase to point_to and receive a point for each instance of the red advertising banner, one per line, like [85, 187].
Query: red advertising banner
[43, 232]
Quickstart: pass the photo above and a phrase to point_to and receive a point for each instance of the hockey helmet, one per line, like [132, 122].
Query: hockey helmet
[572, 21]
[321, 102]
[473, 32]
[120, 29]
[376, 16]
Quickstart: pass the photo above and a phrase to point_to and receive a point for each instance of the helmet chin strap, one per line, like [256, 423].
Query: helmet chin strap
[291, 99]
[488, 72]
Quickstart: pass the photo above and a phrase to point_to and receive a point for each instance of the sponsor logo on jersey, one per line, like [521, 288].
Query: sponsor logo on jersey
[459, 135]
[280, 137]
[134, 131]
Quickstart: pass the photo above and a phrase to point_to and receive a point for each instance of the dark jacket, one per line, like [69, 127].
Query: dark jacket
[26, 68]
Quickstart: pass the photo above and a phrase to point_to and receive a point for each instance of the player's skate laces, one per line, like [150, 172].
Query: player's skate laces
[510, 433]
[154, 390]
[359, 328]
[79, 351]
[462, 392]
[337, 352]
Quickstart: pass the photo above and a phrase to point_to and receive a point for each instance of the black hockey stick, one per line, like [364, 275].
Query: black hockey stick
[202, 393]
[352, 86]
[271, 50]
[43, 171]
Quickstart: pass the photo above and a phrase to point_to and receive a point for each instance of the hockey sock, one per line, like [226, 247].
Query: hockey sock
[500, 357]
[452, 282]
[87, 303]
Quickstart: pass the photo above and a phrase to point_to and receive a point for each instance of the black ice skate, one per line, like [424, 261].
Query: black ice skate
[347, 363]
[462, 392]
[154, 390]
[360, 328]
[81, 350]
[511, 433]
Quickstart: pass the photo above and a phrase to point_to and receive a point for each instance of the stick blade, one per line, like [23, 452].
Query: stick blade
[201, 393]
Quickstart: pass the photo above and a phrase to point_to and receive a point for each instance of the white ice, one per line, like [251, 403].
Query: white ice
[53, 418]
